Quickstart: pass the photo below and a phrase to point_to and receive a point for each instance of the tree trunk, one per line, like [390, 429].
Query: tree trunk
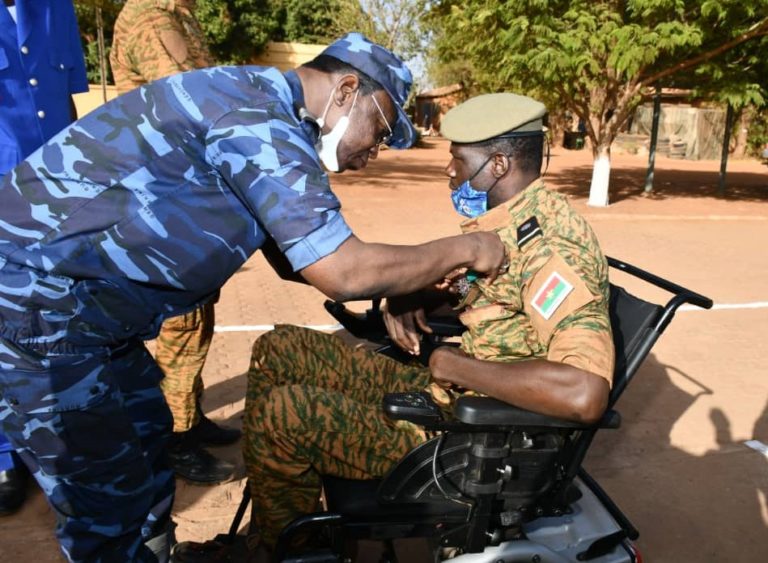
[741, 134]
[556, 125]
[601, 174]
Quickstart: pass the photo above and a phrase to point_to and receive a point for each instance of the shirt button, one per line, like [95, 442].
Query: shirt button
[33, 81]
[41, 114]
[61, 66]
[24, 50]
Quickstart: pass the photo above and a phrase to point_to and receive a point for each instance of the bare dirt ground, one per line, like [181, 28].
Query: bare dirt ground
[678, 466]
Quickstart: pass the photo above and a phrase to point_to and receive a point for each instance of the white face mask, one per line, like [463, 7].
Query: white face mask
[328, 145]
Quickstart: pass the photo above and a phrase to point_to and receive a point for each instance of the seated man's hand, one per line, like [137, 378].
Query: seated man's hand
[404, 317]
[445, 363]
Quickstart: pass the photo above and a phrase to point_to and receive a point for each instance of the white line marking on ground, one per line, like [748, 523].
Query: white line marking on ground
[640, 217]
[264, 328]
[723, 306]
[757, 446]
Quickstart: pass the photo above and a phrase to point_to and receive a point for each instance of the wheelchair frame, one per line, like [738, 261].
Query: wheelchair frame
[495, 472]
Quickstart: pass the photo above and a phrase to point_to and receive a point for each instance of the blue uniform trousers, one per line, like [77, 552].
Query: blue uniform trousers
[91, 424]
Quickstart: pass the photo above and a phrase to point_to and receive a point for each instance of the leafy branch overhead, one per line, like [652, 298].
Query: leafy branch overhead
[599, 58]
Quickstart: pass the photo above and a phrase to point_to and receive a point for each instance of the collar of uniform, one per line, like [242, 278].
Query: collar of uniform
[498, 217]
[167, 5]
[306, 121]
[171, 5]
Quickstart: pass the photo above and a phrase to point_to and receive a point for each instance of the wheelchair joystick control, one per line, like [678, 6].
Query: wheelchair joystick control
[506, 472]
[527, 441]
[413, 407]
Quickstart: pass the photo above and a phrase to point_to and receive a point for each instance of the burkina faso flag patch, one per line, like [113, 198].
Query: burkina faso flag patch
[551, 294]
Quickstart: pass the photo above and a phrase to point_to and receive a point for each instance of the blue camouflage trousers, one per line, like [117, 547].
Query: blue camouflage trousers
[91, 424]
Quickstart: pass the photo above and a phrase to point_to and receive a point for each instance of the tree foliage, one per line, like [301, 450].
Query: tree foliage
[598, 58]
[85, 11]
[237, 29]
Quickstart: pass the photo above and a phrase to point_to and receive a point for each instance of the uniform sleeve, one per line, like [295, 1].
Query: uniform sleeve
[159, 46]
[270, 164]
[78, 79]
[568, 307]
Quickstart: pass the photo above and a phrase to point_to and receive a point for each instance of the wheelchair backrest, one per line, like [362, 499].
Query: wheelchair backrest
[632, 321]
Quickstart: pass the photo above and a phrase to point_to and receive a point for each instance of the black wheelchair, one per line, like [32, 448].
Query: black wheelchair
[496, 483]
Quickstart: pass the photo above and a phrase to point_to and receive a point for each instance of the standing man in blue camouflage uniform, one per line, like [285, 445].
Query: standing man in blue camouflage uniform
[41, 66]
[154, 39]
[140, 211]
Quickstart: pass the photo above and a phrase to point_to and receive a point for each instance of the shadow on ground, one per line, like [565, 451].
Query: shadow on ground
[628, 183]
[690, 493]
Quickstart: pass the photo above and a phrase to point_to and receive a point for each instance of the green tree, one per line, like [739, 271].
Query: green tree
[238, 29]
[597, 58]
[95, 17]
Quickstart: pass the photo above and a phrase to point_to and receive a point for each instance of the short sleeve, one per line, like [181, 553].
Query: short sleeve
[569, 311]
[269, 163]
[159, 48]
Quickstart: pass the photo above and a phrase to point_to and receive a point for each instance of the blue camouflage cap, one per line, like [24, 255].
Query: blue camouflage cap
[385, 68]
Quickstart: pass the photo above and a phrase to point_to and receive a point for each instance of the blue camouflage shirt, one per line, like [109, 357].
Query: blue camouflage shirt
[146, 206]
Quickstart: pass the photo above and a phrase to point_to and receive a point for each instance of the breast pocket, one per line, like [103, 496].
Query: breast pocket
[61, 61]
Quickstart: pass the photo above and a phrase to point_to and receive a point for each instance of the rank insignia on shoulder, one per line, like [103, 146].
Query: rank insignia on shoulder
[528, 231]
[551, 295]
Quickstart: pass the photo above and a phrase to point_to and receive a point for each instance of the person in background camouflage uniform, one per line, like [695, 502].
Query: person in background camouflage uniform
[538, 336]
[154, 39]
[140, 211]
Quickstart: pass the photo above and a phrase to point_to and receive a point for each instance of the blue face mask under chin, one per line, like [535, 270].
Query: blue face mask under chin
[468, 201]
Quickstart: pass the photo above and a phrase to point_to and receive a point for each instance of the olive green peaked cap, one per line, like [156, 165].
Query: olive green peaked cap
[493, 115]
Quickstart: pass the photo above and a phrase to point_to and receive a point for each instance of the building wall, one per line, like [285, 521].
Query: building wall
[701, 130]
[287, 56]
[89, 101]
[430, 110]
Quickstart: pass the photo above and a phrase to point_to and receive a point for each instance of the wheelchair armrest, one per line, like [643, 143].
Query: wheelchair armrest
[445, 326]
[370, 325]
[486, 411]
[416, 407]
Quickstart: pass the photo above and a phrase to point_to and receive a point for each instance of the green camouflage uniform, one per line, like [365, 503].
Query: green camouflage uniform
[154, 39]
[313, 404]
[503, 321]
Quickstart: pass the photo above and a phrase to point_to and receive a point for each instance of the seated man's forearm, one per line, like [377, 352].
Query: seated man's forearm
[550, 388]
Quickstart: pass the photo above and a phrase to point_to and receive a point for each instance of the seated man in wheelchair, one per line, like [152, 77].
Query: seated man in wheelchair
[538, 336]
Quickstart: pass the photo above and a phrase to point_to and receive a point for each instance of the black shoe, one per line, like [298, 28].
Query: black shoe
[221, 549]
[211, 434]
[13, 487]
[195, 464]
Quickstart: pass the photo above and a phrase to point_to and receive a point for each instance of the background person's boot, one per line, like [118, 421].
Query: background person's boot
[208, 433]
[190, 461]
[13, 484]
